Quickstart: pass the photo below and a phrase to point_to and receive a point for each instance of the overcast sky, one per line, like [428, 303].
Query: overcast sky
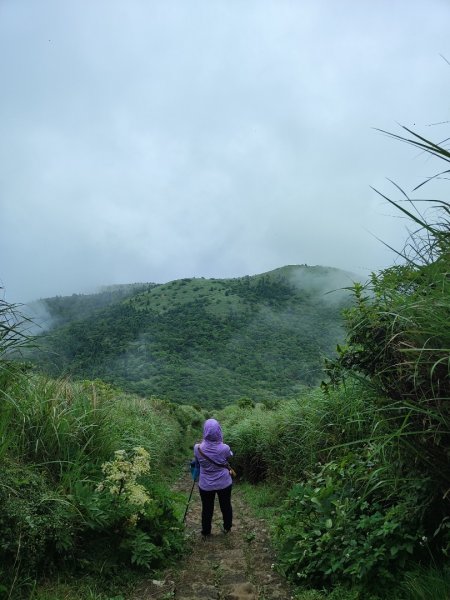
[149, 140]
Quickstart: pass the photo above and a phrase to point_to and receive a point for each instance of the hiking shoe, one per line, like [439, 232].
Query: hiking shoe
[225, 531]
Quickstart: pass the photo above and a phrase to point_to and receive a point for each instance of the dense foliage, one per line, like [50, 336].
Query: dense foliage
[84, 470]
[202, 341]
[350, 505]
[399, 337]
[364, 463]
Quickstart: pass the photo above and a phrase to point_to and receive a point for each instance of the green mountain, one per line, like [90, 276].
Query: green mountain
[202, 341]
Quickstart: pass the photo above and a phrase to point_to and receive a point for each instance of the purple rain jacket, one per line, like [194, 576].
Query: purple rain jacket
[212, 477]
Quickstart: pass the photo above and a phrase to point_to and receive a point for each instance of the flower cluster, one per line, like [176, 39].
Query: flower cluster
[121, 474]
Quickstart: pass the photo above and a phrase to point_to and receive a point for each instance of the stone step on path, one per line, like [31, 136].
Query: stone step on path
[233, 566]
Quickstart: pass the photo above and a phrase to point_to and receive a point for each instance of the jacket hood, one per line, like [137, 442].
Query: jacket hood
[212, 432]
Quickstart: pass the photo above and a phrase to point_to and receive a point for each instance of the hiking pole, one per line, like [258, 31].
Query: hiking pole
[187, 505]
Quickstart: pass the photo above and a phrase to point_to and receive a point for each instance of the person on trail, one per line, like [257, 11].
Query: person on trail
[215, 476]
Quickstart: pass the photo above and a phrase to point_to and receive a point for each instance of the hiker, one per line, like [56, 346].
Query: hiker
[215, 476]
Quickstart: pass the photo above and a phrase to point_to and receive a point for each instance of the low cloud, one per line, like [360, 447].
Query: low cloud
[156, 140]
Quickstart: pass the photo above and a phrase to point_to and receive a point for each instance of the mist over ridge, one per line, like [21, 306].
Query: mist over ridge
[198, 340]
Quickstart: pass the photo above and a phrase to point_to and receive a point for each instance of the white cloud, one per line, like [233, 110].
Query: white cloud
[145, 141]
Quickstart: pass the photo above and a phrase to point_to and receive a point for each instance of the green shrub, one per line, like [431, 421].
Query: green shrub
[54, 438]
[36, 521]
[398, 333]
[126, 520]
[343, 525]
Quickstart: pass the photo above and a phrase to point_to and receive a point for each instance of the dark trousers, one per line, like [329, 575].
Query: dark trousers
[208, 498]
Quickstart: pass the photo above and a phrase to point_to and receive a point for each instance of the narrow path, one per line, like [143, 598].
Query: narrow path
[234, 566]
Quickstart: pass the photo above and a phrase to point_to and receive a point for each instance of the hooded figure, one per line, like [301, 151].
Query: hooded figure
[213, 455]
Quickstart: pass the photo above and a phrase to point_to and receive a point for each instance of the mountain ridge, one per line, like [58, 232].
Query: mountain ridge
[196, 340]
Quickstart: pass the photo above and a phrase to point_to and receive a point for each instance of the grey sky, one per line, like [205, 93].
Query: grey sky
[147, 140]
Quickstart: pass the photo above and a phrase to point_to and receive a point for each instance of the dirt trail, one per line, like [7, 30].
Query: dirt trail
[233, 566]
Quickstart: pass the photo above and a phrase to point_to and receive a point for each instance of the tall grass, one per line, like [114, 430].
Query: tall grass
[398, 336]
[62, 425]
[364, 463]
[427, 584]
[55, 435]
[288, 442]
[13, 328]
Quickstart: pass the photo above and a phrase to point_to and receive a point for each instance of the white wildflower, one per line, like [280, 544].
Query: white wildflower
[121, 474]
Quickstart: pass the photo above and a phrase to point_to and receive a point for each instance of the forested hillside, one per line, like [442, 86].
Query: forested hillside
[205, 341]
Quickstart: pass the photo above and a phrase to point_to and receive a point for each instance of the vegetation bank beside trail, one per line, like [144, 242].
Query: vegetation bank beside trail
[84, 490]
[360, 468]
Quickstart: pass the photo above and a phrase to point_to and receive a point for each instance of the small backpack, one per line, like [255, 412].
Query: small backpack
[195, 469]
